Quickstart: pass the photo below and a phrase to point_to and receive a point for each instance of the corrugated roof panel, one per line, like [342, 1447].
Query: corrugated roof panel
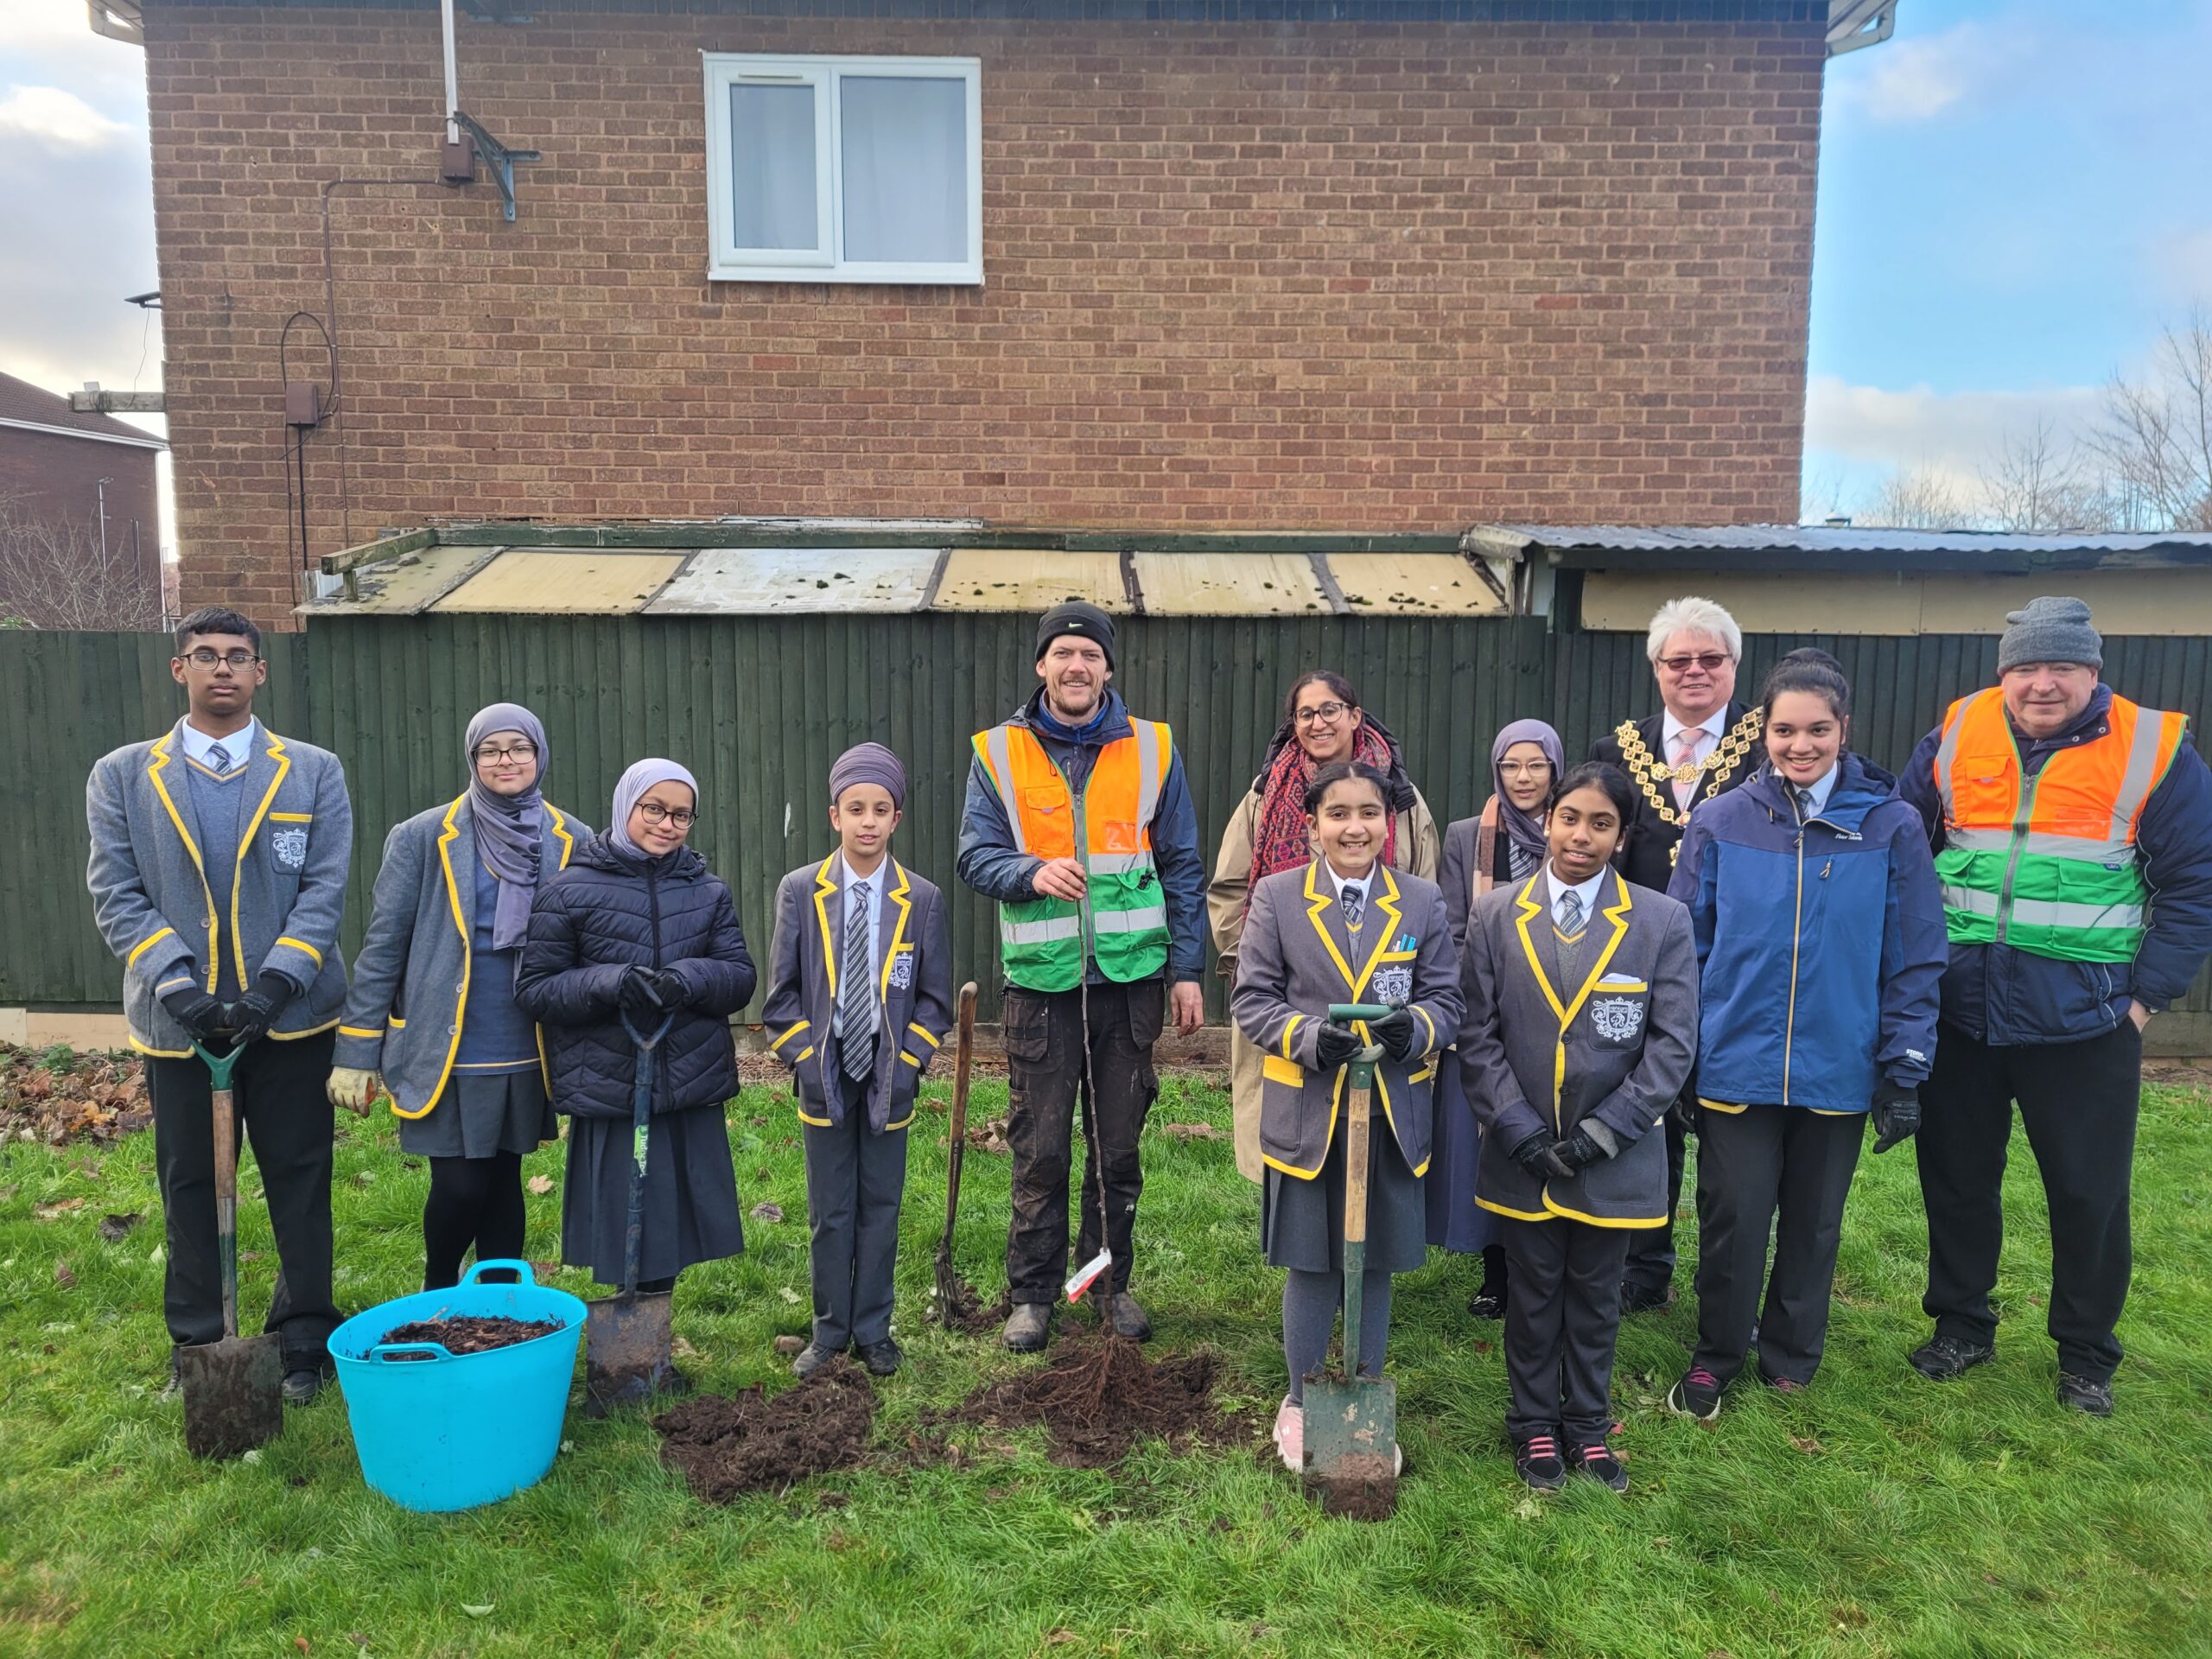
[1229, 584]
[408, 584]
[1414, 584]
[1028, 578]
[739, 580]
[598, 582]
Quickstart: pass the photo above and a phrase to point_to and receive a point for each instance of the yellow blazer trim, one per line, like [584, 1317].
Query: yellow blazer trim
[1433, 1043]
[395, 1022]
[144, 945]
[1626, 987]
[159, 1054]
[787, 1036]
[806, 1053]
[1719, 1106]
[358, 1031]
[1424, 1074]
[1386, 901]
[291, 817]
[901, 1124]
[907, 1056]
[1529, 907]
[899, 943]
[559, 828]
[1275, 1069]
[1398, 956]
[1601, 1221]
[302, 944]
[160, 751]
[1517, 1215]
[452, 833]
[1336, 1104]
[818, 1122]
[294, 1036]
[934, 1042]
[275, 752]
[823, 886]
[1290, 1026]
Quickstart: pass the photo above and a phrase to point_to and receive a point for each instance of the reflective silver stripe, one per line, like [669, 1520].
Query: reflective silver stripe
[1129, 921]
[1152, 738]
[1118, 863]
[1061, 927]
[2042, 844]
[2142, 762]
[2045, 913]
[999, 757]
[1946, 751]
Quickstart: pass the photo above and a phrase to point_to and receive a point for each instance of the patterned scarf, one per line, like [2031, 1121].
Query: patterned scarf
[1282, 840]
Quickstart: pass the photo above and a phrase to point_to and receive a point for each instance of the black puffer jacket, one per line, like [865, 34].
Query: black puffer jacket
[606, 912]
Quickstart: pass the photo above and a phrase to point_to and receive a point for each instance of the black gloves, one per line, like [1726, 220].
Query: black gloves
[252, 1014]
[202, 1017]
[1397, 1031]
[674, 991]
[1539, 1155]
[1579, 1151]
[1896, 1113]
[1333, 1046]
[640, 993]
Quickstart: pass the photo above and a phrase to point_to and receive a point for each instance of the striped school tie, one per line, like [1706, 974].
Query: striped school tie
[1353, 899]
[218, 761]
[1570, 912]
[856, 996]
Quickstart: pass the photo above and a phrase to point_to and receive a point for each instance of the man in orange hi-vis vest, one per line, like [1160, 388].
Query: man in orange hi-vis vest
[1079, 823]
[2073, 836]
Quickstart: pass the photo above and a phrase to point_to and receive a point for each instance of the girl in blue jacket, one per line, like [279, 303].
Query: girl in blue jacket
[1819, 941]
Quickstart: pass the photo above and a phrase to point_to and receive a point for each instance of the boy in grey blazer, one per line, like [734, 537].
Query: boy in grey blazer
[218, 860]
[857, 1045]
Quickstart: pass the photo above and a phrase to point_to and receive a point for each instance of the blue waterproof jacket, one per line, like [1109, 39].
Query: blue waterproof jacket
[1820, 948]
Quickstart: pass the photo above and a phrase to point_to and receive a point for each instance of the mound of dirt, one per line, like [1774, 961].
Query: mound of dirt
[473, 1333]
[1100, 1395]
[725, 1447]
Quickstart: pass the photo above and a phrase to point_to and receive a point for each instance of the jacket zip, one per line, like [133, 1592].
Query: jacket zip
[2023, 816]
[652, 907]
[1796, 939]
[1082, 857]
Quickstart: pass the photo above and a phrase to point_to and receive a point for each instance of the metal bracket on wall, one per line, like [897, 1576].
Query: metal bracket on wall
[503, 160]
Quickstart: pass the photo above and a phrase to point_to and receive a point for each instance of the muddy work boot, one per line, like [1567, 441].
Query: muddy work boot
[811, 1358]
[1126, 1319]
[1028, 1326]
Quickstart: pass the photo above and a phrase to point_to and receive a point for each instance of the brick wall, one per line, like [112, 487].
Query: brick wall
[55, 479]
[1376, 275]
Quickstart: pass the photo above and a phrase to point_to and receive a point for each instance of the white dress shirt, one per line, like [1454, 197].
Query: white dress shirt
[875, 880]
[240, 745]
[1360, 883]
[1819, 791]
[1588, 890]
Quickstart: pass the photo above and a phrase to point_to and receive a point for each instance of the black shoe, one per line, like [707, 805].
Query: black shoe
[1696, 1396]
[882, 1358]
[1642, 1299]
[2085, 1394]
[1122, 1313]
[1538, 1463]
[1488, 1303]
[303, 1384]
[811, 1358]
[1028, 1326]
[1941, 1358]
[1598, 1463]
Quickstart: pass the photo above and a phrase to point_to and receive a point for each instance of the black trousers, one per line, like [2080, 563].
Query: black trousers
[1044, 1045]
[1752, 1165]
[2078, 1103]
[1560, 1320]
[1650, 1266]
[277, 1090]
[855, 1179]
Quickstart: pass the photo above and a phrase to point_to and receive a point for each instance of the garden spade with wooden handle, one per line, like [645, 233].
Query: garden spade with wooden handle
[952, 1291]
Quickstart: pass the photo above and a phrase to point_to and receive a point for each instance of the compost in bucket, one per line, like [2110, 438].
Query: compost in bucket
[725, 1447]
[1100, 1395]
[473, 1333]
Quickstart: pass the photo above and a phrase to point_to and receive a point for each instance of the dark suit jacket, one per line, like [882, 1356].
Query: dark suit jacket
[1656, 829]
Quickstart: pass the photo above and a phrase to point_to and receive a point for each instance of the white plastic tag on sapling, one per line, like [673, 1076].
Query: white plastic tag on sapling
[1089, 1270]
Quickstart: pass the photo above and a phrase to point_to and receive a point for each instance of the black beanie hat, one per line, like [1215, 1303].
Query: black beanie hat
[1077, 617]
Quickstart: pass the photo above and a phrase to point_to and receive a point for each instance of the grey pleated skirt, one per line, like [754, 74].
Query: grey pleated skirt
[1302, 1223]
[691, 1196]
[478, 1116]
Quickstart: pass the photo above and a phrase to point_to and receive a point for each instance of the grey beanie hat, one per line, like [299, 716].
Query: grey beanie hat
[2050, 630]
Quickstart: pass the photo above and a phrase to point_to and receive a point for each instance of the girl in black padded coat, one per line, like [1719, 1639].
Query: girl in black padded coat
[636, 925]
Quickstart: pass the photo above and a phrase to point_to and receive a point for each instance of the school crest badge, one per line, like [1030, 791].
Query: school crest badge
[291, 846]
[1616, 1019]
[902, 970]
[1393, 983]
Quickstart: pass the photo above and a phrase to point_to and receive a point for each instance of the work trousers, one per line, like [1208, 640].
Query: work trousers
[855, 1179]
[1561, 1322]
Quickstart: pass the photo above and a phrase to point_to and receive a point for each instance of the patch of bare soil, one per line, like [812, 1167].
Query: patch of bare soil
[1099, 1396]
[724, 1446]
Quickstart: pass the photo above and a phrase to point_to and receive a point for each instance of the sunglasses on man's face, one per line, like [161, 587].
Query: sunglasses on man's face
[1710, 661]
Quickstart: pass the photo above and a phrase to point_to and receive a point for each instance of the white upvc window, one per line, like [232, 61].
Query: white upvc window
[833, 169]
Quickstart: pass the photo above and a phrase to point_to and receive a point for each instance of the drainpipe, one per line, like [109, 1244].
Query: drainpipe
[453, 74]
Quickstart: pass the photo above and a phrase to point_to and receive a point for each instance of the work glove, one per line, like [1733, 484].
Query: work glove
[252, 1014]
[1539, 1155]
[201, 1014]
[1578, 1151]
[354, 1090]
[1689, 1114]
[673, 989]
[1397, 1031]
[640, 994]
[1333, 1046]
[1896, 1113]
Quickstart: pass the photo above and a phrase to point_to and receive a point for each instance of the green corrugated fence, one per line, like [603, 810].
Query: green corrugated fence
[759, 707]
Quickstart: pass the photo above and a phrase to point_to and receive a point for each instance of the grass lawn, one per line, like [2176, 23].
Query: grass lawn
[1875, 1515]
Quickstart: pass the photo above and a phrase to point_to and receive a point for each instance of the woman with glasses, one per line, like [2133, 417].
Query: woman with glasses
[638, 938]
[1323, 725]
[432, 1021]
[1502, 842]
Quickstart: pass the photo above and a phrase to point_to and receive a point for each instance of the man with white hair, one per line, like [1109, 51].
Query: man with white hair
[1702, 743]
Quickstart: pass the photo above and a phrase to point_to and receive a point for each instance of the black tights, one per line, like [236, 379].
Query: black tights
[473, 1201]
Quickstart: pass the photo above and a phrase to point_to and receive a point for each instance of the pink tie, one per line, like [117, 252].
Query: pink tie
[1685, 753]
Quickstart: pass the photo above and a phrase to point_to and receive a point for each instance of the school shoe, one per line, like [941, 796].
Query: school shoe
[1127, 1317]
[1028, 1326]
[1642, 1299]
[1538, 1463]
[1941, 1358]
[882, 1358]
[2085, 1394]
[303, 1381]
[1697, 1396]
[1289, 1434]
[1782, 1384]
[1598, 1463]
[811, 1358]
[1487, 1303]
[174, 1388]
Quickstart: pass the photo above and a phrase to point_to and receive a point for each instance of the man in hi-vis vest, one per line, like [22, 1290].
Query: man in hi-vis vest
[1079, 822]
[2073, 838]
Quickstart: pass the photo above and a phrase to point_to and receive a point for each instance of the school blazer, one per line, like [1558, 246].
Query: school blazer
[287, 889]
[1295, 959]
[913, 975]
[1615, 1047]
[410, 982]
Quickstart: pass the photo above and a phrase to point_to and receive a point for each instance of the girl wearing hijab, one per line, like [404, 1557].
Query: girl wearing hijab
[431, 1020]
[1502, 842]
[636, 929]
[1323, 725]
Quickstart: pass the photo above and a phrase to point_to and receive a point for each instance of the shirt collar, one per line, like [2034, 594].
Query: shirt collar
[1670, 727]
[1587, 889]
[240, 743]
[1364, 883]
[875, 881]
[1819, 792]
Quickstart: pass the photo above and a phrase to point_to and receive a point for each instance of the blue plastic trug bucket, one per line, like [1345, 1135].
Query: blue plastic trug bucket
[436, 1430]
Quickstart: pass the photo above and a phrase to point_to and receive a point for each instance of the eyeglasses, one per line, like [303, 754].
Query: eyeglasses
[1325, 711]
[682, 817]
[1525, 768]
[1710, 661]
[207, 657]
[491, 756]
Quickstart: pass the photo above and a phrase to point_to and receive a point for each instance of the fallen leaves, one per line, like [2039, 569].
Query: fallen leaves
[55, 1096]
[62, 1275]
[989, 1135]
[1193, 1132]
[1807, 1444]
[765, 1210]
[541, 1184]
[115, 1229]
[56, 1210]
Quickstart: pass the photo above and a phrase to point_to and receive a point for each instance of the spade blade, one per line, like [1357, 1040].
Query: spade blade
[233, 1395]
[626, 1342]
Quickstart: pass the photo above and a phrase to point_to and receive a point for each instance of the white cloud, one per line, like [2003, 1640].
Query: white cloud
[1954, 436]
[2181, 261]
[1914, 78]
[60, 120]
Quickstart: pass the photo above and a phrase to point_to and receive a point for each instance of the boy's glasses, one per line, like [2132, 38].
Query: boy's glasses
[205, 656]
[682, 817]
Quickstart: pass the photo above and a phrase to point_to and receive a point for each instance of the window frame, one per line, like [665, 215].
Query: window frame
[726, 263]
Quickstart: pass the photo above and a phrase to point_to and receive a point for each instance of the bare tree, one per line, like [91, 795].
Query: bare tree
[1918, 498]
[55, 573]
[2156, 437]
[2034, 484]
